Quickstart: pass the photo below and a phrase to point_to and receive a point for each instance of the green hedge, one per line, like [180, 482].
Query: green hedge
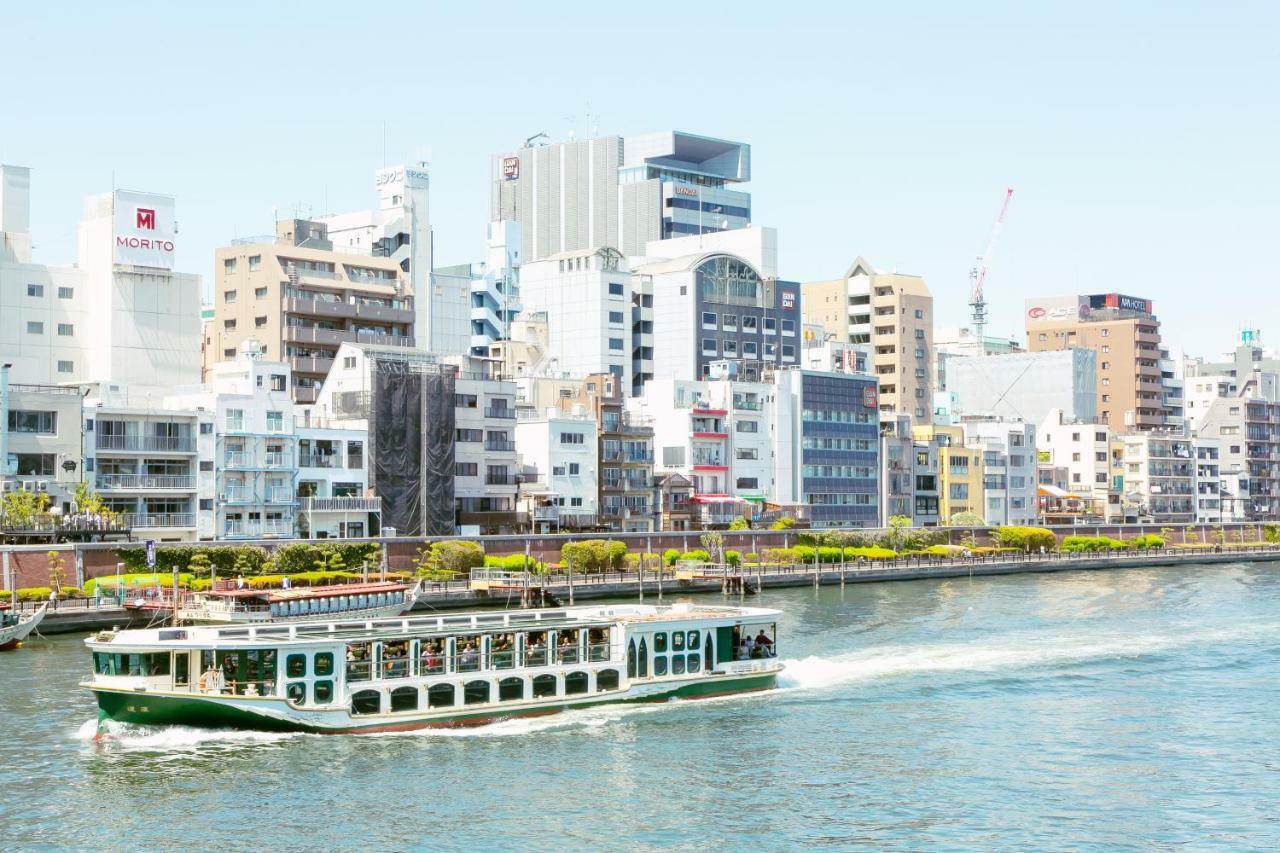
[106, 584]
[1088, 544]
[1026, 538]
[514, 563]
[335, 555]
[593, 555]
[41, 593]
[226, 559]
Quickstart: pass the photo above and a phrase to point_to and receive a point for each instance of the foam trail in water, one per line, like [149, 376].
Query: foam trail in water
[988, 655]
[172, 738]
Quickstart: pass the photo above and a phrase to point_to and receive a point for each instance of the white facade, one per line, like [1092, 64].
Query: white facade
[100, 320]
[586, 298]
[562, 448]
[1026, 385]
[1008, 468]
[1159, 479]
[1090, 456]
[495, 290]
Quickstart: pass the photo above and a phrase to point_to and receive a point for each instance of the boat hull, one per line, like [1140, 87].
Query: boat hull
[12, 636]
[166, 709]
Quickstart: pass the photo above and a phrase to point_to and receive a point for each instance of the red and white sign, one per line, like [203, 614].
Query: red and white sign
[788, 300]
[870, 396]
[510, 168]
[145, 230]
[681, 189]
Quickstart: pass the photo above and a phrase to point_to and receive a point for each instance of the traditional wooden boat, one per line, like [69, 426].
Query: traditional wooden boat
[14, 628]
[382, 675]
[299, 604]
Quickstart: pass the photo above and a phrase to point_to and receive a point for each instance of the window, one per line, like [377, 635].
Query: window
[206, 465]
[750, 324]
[788, 327]
[66, 330]
[1106, 365]
[229, 352]
[749, 349]
[729, 347]
[35, 464]
[788, 352]
[919, 314]
[206, 429]
[277, 381]
[66, 292]
[295, 666]
[730, 322]
[229, 296]
[259, 293]
[770, 325]
[206, 504]
[66, 367]
[38, 423]
[465, 401]
[919, 334]
[259, 322]
[708, 320]
[615, 343]
[275, 421]
[235, 419]
[1106, 333]
[36, 290]
[255, 261]
[659, 642]
[748, 426]
[465, 469]
[574, 469]
[748, 483]
[615, 288]
[35, 327]
[229, 265]
[615, 316]
[746, 453]
[710, 347]
[229, 324]
[660, 665]
[571, 438]
[470, 435]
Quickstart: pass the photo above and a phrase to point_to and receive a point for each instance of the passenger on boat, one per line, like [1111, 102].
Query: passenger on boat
[748, 647]
[764, 645]
[469, 658]
[285, 583]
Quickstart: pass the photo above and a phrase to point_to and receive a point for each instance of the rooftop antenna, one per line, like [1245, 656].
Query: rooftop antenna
[978, 275]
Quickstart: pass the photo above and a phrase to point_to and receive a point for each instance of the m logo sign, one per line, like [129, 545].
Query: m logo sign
[147, 218]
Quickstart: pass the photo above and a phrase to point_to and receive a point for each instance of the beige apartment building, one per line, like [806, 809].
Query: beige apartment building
[301, 299]
[1125, 334]
[892, 315]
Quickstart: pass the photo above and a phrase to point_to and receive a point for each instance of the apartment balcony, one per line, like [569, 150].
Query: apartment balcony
[384, 313]
[500, 479]
[257, 529]
[327, 308]
[499, 445]
[637, 459]
[351, 504]
[238, 495]
[319, 460]
[275, 460]
[153, 482]
[238, 459]
[1145, 337]
[280, 495]
[611, 484]
[748, 404]
[335, 337]
[163, 519]
[146, 443]
[610, 455]
[548, 513]
[302, 364]
[494, 518]
[504, 413]
[305, 394]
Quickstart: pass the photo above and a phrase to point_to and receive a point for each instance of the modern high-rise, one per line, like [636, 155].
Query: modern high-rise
[1125, 333]
[611, 191]
[120, 316]
[891, 312]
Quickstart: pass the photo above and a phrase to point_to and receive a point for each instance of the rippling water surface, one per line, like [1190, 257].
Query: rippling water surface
[1092, 709]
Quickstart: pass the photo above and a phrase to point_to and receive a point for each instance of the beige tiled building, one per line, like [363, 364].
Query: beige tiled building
[301, 299]
[893, 314]
[1125, 334]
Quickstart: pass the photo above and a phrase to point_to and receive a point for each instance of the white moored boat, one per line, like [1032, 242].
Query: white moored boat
[299, 604]
[415, 672]
[14, 628]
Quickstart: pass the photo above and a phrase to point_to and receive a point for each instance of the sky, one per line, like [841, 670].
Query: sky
[1140, 137]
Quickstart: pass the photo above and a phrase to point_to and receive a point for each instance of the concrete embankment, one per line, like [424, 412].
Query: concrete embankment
[70, 618]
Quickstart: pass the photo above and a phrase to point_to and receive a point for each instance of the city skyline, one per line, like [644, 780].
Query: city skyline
[1121, 149]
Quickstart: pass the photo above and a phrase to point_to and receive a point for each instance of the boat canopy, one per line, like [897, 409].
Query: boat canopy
[305, 592]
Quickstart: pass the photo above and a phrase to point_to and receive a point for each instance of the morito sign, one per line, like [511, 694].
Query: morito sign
[144, 230]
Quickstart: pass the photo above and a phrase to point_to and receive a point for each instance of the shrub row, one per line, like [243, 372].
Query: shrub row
[1026, 538]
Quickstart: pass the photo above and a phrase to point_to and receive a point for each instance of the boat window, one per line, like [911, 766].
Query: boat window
[395, 659]
[101, 663]
[598, 644]
[467, 655]
[544, 685]
[366, 702]
[510, 689]
[660, 665]
[404, 699]
[694, 637]
[677, 664]
[295, 666]
[502, 651]
[324, 663]
[475, 692]
[694, 663]
[644, 659]
[322, 692]
[297, 692]
[440, 695]
[431, 661]
[659, 643]
[567, 646]
[677, 641]
[631, 659]
[575, 682]
[607, 679]
[535, 648]
[359, 661]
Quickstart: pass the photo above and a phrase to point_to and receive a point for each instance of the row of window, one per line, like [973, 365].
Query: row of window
[36, 327]
[37, 291]
[710, 346]
[810, 442]
[479, 692]
[729, 323]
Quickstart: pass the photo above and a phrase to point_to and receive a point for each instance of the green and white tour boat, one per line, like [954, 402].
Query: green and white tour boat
[398, 674]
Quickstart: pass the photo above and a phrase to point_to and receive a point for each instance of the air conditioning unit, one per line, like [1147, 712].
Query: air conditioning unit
[42, 485]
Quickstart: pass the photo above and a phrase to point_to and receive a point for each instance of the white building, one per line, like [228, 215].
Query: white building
[121, 314]
[1159, 478]
[495, 287]
[1026, 385]
[561, 447]
[1092, 458]
[1008, 468]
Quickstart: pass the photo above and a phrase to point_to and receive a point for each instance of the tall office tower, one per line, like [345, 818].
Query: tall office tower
[620, 193]
[1125, 333]
[892, 313]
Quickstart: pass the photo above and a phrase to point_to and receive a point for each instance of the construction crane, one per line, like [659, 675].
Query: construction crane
[978, 275]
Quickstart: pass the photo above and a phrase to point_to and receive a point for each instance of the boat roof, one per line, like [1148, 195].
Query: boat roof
[277, 633]
[304, 592]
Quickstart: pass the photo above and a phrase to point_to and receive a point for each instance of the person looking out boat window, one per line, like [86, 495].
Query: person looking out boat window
[748, 647]
[764, 644]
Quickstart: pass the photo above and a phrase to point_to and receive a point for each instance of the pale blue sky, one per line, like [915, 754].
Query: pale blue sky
[1141, 137]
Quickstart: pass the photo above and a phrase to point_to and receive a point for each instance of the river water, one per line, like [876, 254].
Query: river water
[1135, 708]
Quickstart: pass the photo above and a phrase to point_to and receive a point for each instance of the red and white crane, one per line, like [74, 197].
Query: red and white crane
[978, 275]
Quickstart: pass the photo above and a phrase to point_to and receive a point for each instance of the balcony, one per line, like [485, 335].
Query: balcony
[384, 313]
[613, 484]
[499, 445]
[163, 482]
[305, 393]
[334, 337]
[254, 530]
[304, 364]
[638, 458]
[351, 504]
[155, 443]
[237, 459]
[163, 519]
[319, 460]
[275, 460]
[500, 479]
[329, 308]
[280, 495]
[500, 412]
[494, 518]
[748, 404]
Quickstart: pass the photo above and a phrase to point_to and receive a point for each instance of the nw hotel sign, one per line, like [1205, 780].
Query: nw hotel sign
[144, 230]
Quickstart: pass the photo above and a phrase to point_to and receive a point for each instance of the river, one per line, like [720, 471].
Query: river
[1086, 709]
